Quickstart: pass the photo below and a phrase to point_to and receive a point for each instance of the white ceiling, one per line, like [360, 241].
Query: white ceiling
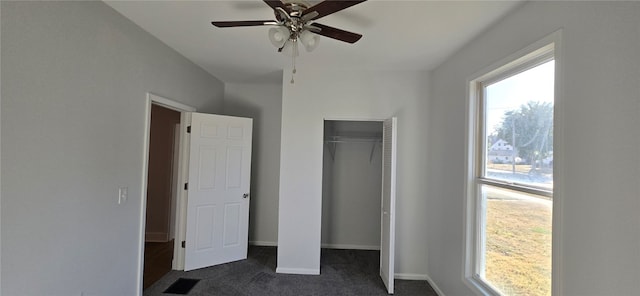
[397, 35]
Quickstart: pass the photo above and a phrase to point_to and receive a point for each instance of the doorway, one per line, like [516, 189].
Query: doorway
[162, 242]
[352, 184]
[161, 193]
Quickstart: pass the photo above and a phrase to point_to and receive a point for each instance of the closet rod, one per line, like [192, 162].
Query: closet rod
[346, 139]
[353, 141]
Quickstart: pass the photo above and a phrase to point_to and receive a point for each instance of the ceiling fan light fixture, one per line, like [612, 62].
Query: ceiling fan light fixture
[309, 40]
[278, 36]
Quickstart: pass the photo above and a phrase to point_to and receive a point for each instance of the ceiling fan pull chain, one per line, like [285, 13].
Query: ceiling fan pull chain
[293, 72]
[293, 57]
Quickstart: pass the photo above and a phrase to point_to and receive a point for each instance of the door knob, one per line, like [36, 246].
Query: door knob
[245, 195]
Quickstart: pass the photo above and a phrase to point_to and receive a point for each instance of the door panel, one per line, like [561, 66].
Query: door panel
[217, 195]
[231, 224]
[234, 167]
[387, 237]
[207, 168]
[204, 227]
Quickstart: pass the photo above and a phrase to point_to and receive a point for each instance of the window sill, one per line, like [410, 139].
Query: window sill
[479, 287]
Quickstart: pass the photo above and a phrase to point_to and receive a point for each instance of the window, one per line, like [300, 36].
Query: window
[510, 198]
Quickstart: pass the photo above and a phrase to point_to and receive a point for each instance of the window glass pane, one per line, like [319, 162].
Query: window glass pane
[519, 128]
[517, 242]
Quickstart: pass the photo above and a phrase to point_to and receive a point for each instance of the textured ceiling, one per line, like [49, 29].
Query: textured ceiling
[398, 35]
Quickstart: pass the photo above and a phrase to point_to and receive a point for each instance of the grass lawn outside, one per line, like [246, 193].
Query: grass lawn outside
[518, 243]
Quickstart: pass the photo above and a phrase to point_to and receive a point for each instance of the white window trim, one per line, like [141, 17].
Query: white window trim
[518, 62]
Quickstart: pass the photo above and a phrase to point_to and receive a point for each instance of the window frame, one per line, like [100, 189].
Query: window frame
[536, 54]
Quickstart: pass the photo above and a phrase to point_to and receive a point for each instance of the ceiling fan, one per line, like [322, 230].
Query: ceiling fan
[293, 24]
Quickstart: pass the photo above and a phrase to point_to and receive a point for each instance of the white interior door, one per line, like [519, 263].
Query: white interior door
[387, 237]
[218, 190]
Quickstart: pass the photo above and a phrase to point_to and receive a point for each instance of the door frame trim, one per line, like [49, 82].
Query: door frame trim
[153, 99]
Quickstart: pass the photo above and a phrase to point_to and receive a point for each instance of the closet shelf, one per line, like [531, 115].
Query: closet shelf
[350, 139]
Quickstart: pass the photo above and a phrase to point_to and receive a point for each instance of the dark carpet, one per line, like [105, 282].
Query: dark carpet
[342, 272]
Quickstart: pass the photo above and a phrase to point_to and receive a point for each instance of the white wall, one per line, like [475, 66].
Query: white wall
[349, 94]
[75, 77]
[598, 198]
[263, 103]
[351, 196]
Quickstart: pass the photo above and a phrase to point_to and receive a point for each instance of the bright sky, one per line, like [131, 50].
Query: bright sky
[535, 84]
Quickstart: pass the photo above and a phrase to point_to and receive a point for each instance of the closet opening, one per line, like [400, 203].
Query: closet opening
[351, 186]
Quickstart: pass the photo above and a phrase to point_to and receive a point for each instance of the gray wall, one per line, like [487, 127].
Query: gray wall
[351, 193]
[597, 145]
[263, 103]
[75, 75]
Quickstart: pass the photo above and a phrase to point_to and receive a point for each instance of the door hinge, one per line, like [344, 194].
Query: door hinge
[188, 129]
[184, 243]
[186, 186]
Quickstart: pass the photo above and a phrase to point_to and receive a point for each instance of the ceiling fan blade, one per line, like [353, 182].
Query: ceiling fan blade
[228, 24]
[328, 7]
[335, 33]
[275, 3]
[309, 16]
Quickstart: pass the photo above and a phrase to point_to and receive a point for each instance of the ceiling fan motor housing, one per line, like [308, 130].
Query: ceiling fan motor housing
[291, 17]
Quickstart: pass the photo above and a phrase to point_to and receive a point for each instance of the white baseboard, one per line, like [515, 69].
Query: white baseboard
[297, 271]
[410, 276]
[263, 243]
[350, 247]
[434, 286]
[156, 237]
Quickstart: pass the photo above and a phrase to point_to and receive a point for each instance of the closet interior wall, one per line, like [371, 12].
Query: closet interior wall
[351, 186]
